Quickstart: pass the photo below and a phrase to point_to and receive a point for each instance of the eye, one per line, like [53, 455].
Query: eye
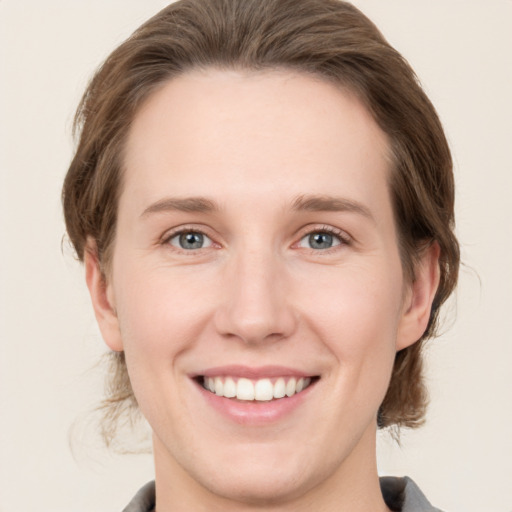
[190, 240]
[320, 240]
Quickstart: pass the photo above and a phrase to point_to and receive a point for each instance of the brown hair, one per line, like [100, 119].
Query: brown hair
[327, 38]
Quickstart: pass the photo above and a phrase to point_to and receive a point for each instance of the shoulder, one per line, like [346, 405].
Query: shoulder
[144, 500]
[403, 495]
[400, 495]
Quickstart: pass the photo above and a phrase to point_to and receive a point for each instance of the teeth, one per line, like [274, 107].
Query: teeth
[229, 388]
[279, 388]
[261, 390]
[245, 390]
[219, 386]
[291, 387]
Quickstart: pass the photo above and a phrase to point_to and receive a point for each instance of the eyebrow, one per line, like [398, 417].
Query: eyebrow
[311, 203]
[187, 204]
[324, 203]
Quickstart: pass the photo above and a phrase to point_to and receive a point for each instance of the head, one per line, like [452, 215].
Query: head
[326, 41]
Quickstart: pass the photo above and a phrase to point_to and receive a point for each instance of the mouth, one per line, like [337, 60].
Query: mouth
[255, 390]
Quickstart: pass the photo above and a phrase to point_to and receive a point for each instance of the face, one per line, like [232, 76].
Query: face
[256, 284]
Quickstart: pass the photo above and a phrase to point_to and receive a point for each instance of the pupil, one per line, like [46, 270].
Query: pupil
[320, 241]
[191, 240]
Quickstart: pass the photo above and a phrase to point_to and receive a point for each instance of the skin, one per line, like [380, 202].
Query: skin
[257, 293]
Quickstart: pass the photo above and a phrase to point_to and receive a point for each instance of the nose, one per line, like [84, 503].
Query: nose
[255, 305]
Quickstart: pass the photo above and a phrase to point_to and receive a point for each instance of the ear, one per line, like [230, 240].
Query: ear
[419, 297]
[102, 298]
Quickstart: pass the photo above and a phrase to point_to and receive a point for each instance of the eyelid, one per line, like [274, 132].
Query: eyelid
[186, 228]
[341, 235]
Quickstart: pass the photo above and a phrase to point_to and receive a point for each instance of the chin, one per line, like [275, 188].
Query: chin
[263, 474]
[260, 484]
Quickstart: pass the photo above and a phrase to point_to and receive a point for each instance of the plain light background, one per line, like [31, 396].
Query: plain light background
[49, 345]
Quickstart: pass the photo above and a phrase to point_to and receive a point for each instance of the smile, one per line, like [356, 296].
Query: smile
[261, 390]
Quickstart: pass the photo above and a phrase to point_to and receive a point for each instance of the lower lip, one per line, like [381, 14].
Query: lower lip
[253, 412]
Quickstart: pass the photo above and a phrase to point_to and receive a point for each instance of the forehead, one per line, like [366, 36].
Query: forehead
[287, 129]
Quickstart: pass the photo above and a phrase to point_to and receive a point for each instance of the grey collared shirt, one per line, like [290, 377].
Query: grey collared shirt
[400, 495]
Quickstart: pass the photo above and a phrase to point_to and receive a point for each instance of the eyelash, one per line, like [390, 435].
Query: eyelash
[166, 239]
[342, 237]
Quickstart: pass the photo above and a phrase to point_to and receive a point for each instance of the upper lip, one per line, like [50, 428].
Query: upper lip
[253, 372]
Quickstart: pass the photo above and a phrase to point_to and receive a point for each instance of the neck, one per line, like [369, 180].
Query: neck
[353, 486]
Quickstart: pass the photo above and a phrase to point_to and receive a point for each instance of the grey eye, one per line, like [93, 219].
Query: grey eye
[190, 240]
[319, 240]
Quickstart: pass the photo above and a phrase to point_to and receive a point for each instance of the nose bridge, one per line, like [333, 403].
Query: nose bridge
[255, 306]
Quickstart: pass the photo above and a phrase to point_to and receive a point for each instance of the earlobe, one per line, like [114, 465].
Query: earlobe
[101, 298]
[418, 304]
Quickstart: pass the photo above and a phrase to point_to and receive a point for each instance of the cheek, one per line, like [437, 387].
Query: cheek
[357, 316]
[160, 313]
[355, 299]
[160, 320]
